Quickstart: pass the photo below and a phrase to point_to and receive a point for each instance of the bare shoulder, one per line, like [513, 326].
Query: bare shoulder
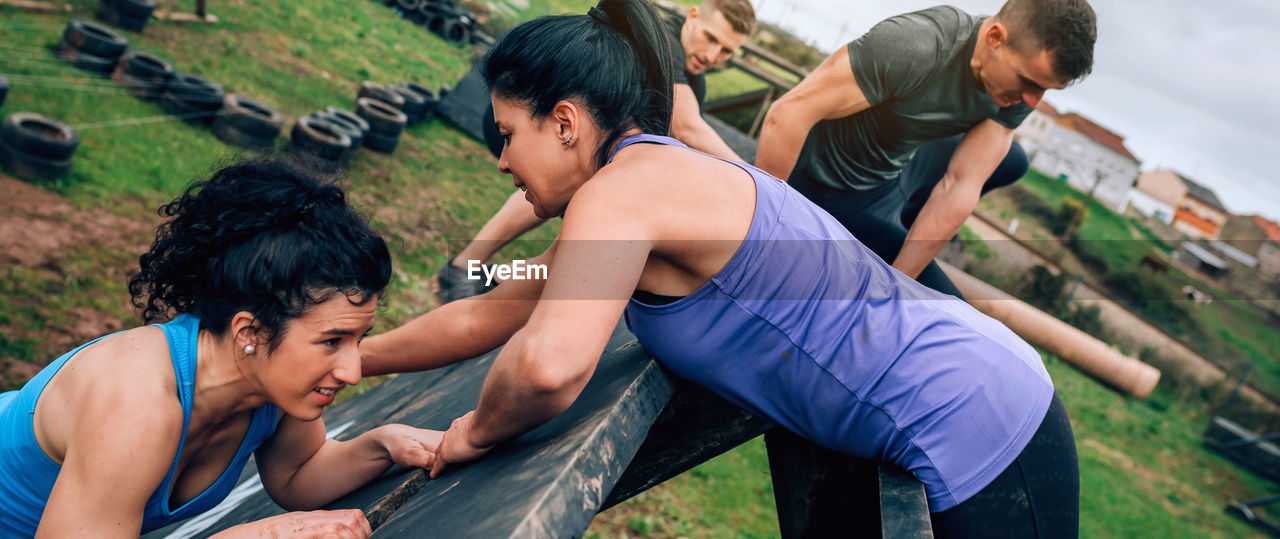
[123, 377]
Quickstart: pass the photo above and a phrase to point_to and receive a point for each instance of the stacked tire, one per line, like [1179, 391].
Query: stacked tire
[192, 98]
[128, 14]
[247, 123]
[346, 122]
[4, 89]
[36, 147]
[321, 138]
[91, 47]
[142, 74]
[386, 123]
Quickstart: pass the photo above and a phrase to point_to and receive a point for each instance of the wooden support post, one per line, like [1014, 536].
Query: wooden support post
[821, 493]
[695, 426]
[764, 108]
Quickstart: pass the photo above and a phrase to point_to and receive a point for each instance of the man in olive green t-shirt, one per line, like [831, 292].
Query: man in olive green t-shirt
[899, 133]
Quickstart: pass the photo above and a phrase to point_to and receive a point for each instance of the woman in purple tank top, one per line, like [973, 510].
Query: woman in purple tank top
[734, 281]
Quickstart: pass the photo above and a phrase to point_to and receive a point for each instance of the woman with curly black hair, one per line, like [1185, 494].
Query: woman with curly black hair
[269, 280]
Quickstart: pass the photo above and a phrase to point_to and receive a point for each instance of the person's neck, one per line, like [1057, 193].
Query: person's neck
[222, 388]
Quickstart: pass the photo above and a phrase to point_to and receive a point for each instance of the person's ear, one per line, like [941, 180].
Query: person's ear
[246, 334]
[997, 35]
[566, 115]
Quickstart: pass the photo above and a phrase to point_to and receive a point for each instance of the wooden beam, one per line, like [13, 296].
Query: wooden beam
[695, 426]
[34, 5]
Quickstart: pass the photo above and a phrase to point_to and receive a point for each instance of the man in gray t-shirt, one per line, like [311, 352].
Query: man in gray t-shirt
[899, 133]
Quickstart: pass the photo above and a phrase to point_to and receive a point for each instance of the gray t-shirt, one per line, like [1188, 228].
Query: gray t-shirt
[698, 83]
[914, 70]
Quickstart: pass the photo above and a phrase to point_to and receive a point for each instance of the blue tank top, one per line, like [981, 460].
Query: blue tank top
[807, 327]
[27, 473]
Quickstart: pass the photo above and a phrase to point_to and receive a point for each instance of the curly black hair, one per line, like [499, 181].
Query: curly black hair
[266, 235]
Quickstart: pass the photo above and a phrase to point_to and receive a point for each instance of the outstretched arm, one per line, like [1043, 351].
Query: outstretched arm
[955, 196]
[300, 469]
[829, 92]
[457, 331]
[688, 126]
[544, 367]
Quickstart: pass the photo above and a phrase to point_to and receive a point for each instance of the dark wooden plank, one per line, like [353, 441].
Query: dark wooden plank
[465, 105]
[694, 427]
[551, 481]
[904, 506]
[607, 422]
[821, 493]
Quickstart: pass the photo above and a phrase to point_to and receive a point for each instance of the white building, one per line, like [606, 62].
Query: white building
[1089, 158]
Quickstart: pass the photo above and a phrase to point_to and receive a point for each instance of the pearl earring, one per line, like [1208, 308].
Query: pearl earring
[248, 349]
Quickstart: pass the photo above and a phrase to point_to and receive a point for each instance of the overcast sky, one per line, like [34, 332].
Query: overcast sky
[1193, 86]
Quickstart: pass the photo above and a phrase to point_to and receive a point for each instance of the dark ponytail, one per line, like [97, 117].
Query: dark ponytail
[267, 236]
[617, 62]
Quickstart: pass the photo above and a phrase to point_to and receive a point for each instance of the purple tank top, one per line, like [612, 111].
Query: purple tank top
[807, 327]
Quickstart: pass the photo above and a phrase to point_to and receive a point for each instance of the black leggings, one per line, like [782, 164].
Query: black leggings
[880, 217]
[1038, 495]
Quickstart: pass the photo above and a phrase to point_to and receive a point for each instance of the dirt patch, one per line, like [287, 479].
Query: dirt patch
[36, 226]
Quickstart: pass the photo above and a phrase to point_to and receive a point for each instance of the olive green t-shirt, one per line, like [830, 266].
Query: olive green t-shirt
[914, 70]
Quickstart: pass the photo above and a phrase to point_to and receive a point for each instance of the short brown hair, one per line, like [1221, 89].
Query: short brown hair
[739, 13]
[1065, 28]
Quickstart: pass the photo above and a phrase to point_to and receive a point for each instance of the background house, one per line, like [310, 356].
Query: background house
[1157, 194]
[1199, 214]
[1089, 157]
[1257, 236]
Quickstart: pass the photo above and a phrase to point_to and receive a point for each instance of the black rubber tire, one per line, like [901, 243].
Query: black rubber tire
[146, 66]
[430, 99]
[137, 9]
[85, 61]
[106, 12]
[31, 167]
[352, 131]
[350, 117]
[252, 117]
[320, 137]
[195, 91]
[4, 89]
[425, 12]
[456, 31]
[132, 24]
[435, 24]
[95, 39]
[408, 5]
[229, 134]
[383, 119]
[415, 106]
[135, 86]
[381, 92]
[381, 143]
[186, 110]
[39, 136]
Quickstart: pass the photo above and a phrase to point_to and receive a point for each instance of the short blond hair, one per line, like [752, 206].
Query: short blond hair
[739, 13]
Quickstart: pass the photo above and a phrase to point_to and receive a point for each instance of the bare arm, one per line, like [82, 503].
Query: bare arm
[955, 196]
[300, 469]
[118, 452]
[688, 126]
[829, 92]
[457, 331]
[544, 367]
